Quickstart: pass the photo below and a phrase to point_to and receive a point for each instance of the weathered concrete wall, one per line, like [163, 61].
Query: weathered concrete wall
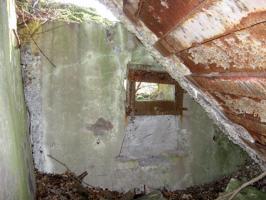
[16, 174]
[78, 116]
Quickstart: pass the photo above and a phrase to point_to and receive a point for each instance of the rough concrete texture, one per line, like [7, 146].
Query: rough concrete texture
[16, 166]
[148, 136]
[78, 116]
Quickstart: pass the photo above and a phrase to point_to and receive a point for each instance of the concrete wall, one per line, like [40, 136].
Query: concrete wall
[78, 116]
[16, 174]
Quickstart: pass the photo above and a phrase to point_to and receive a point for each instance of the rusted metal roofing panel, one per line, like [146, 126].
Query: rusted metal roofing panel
[257, 130]
[244, 105]
[250, 113]
[242, 85]
[241, 51]
[240, 95]
[242, 98]
[246, 112]
[161, 16]
[217, 18]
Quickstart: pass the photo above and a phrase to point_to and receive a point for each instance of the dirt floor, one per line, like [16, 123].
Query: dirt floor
[68, 186]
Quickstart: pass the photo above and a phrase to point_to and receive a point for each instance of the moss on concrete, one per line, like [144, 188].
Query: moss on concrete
[212, 154]
[16, 163]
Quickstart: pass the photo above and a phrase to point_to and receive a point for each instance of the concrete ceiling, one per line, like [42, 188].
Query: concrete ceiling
[215, 49]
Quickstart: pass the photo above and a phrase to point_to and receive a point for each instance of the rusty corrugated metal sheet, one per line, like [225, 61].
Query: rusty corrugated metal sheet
[242, 97]
[162, 16]
[243, 105]
[242, 85]
[257, 130]
[241, 51]
[215, 19]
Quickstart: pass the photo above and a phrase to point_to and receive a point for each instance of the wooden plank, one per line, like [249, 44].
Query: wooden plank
[150, 76]
[130, 108]
[179, 96]
[156, 108]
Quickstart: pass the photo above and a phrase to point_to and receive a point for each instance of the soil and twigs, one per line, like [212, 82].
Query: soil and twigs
[70, 186]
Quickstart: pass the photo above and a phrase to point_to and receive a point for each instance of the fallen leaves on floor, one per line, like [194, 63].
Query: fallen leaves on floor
[68, 186]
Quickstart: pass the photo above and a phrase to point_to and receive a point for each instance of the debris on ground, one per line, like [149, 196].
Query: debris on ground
[70, 186]
[67, 186]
